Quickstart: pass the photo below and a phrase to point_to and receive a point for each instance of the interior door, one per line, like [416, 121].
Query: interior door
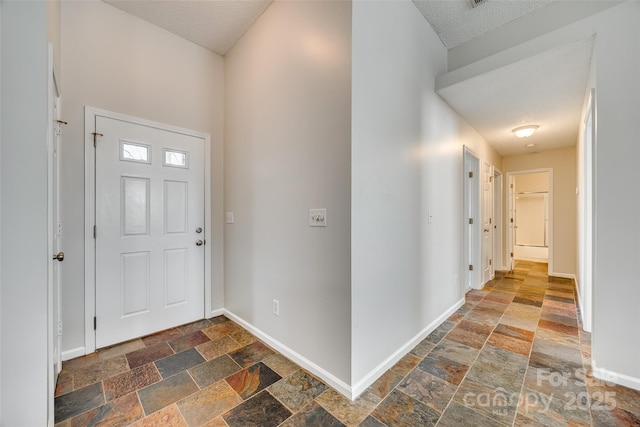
[57, 254]
[512, 221]
[149, 230]
[487, 223]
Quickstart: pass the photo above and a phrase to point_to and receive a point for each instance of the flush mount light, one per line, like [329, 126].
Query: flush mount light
[525, 131]
[530, 145]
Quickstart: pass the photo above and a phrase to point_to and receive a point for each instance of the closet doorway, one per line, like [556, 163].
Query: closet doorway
[530, 211]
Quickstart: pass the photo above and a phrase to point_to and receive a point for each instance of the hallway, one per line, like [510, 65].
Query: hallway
[513, 355]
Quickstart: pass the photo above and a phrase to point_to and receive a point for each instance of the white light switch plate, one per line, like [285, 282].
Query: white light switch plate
[317, 217]
[229, 217]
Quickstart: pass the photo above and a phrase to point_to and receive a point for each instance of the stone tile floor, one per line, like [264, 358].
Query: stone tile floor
[513, 355]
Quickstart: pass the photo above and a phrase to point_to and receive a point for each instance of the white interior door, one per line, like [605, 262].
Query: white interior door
[471, 220]
[56, 250]
[487, 223]
[54, 240]
[149, 230]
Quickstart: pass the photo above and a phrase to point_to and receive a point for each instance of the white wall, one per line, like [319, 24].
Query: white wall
[114, 61]
[616, 329]
[406, 160]
[287, 133]
[23, 283]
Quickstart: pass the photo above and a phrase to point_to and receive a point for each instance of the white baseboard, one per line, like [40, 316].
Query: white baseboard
[383, 367]
[564, 276]
[614, 377]
[73, 353]
[337, 384]
[216, 313]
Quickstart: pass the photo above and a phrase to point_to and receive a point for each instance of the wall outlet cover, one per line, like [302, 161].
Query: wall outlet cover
[317, 217]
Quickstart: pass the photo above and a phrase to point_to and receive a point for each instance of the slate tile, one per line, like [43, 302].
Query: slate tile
[298, 390]
[213, 371]
[149, 354]
[76, 402]
[166, 392]
[208, 403]
[262, 410]
[252, 380]
[179, 362]
[398, 409]
[313, 415]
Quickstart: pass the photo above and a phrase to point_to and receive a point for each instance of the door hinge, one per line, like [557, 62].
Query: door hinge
[490, 220]
[511, 220]
[94, 232]
[95, 137]
[511, 255]
[490, 262]
[470, 267]
[95, 323]
[490, 179]
[471, 174]
[510, 185]
[470, 220]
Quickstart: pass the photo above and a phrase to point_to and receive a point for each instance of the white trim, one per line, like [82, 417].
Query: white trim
[563, 276]
[339, 385]
[383, 367]
[216, 313]
[614, 377]
[90, 115]
[510, 241]
[73, 353]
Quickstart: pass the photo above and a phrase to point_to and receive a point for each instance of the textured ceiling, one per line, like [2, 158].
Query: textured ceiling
[212, 24]
[456, 22]
[547, 89]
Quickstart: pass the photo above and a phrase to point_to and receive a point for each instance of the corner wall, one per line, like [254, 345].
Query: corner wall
[287, 150]
[114, 61]
[407, 147]
[23, 192]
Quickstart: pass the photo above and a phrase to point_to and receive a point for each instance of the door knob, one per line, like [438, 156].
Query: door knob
[199, 242]
[199, 230]
[59, 256]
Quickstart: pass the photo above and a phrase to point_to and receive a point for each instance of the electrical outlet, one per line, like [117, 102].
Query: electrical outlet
[276, 307]
[317, 217]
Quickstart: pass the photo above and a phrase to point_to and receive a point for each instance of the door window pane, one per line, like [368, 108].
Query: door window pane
[134, 152]
[175, 158]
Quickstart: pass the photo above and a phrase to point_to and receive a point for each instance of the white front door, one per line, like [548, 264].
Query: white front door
[149, 229]
[487, 223]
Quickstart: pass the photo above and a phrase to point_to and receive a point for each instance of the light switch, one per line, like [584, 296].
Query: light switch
[229, 218]
[317, 217]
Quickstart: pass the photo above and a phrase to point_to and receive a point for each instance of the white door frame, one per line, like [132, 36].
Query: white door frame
[498, 260]
[471, 209]
[90, 115]
[510, 203]
[488, 168]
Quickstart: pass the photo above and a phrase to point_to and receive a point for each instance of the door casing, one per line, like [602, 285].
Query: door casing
[90, 215]
[511, 207]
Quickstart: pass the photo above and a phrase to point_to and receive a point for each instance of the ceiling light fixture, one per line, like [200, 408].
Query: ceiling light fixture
[530, 145]
[525, 131]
